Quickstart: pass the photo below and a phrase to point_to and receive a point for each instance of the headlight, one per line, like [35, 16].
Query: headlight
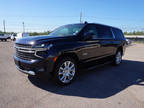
[40, 46]
[43, 47]
[41, 50]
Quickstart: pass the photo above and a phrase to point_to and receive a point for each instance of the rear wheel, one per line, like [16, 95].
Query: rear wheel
[118, 58]
[65, 71]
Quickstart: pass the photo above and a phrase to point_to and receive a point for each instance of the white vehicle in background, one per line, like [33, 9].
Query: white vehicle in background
[13, 37]
[19, 35]
[4, 37]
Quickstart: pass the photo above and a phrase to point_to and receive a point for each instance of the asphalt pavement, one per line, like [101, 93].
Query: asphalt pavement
[104, 87]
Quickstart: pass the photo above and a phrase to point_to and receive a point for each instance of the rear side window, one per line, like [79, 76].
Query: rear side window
[118, 33]
[104, 32]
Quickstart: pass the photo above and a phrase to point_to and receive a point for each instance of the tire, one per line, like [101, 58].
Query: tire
[118, 58]
[65, 71]
[5, 40]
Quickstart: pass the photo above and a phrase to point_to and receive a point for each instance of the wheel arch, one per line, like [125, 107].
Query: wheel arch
[63, 55]
[68, 54]
[120, 48]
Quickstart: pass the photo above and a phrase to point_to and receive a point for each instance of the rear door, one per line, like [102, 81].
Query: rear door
[106, 39]
[91, 48]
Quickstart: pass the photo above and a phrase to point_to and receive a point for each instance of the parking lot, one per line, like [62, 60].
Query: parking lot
[104, 87]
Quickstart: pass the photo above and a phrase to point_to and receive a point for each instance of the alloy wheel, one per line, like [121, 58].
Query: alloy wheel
[66, 72]
[118, 58]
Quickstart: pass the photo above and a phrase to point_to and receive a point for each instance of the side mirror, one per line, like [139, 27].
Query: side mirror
[88, 36]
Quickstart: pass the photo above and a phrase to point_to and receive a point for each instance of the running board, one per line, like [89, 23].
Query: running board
[99, 65]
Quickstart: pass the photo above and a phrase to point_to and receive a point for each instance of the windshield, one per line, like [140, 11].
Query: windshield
[67, 30]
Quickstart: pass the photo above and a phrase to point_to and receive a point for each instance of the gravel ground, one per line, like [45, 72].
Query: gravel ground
[104, 87]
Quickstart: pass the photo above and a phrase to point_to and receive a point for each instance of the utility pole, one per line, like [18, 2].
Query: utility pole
[80, 17]
[4, 26]
[23, 27]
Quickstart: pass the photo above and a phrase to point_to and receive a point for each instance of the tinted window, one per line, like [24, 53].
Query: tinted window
[91, 29]
[67, 30]
[104, 32]
[118, 33]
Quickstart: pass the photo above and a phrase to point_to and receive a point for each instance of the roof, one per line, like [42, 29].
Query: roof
[104, 25]
[86, 23]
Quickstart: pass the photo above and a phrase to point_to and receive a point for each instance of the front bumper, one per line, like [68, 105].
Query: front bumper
[35, 67]
[26, 72]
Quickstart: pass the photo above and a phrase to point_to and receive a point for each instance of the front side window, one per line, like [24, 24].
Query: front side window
[67, 30]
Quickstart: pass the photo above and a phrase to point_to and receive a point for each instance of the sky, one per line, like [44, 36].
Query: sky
[44, 15]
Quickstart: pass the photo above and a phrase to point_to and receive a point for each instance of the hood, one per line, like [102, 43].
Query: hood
[31, 40]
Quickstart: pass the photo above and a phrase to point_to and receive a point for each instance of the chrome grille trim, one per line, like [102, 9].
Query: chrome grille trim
[25, 51]
[28, 53]
[23, 48]
[23, 45]
[32, 49]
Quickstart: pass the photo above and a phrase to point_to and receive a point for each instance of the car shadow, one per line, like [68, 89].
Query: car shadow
[101, 82]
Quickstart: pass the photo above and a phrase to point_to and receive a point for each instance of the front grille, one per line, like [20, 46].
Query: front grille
[23, 45]
[25, 52]
[25, 55]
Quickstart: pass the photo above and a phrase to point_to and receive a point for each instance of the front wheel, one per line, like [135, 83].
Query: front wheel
[118, 58]
[65, 71]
